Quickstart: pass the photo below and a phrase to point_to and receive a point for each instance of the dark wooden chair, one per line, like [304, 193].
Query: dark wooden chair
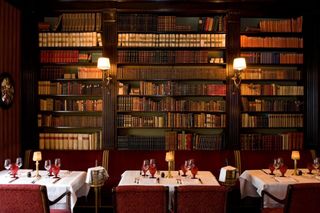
[23, 198]
[139, 199]
[302, 197]
[204, 199]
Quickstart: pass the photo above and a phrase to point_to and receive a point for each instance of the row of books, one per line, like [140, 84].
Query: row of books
[171, 40]
[152, 22]
[74, 105]
[169, 104]
[273, 57]
[270, 89]
[173, 88]
[74, 141]
[69, 56]
[68, 88]
[258, 73]
[151, 73]
[272, 120]
[73, 72]
[85, 39]
[171, 141]
[271, 105]
[166, 56]
[281, 25]
[45, 120]
[173, 120]
[81, 22]
[282, 141]
[271, 42]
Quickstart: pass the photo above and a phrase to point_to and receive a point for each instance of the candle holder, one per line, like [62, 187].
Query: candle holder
[37, 157]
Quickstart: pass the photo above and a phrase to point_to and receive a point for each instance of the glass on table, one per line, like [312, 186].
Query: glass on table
[47, 166]
[316, 164]
[310, 168]
[7, 164]
[184, 168]
[145, 167]
[277, 162]
[271, 168]
[19, 162]
[152, 167]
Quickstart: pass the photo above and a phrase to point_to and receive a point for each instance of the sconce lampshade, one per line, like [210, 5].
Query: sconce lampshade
[103, 63]
[295, 155]
[37, 156]
[239, 63]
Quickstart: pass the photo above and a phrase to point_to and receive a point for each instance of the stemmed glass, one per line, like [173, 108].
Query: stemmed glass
[19, 162]
[56, 167]
[145, 167]
[277, 162]
[184, 168]
[152, 167]
[316, 164]
[7, 164]
[47, 166]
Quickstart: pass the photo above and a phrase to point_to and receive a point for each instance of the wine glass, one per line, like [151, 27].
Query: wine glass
[184, 168]
[271, 168]
[316, 164]
[194, 171]
[310, 168]
[152, 167]
[19, 162]
[47, 166]
[56, 167]
[7, 164]
[277, 162]
[57, 162]
[191, 164]
[283, 169]
[145, 167]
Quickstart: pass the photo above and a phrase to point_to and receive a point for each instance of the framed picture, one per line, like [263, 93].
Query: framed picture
[7, 90]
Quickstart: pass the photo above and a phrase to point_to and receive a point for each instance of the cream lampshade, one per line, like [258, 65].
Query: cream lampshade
[239, 63]
[295, 155]
[169, 159]
[103, 63]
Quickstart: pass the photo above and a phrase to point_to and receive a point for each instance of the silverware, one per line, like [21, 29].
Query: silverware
[56, 180]
[13, 179]
[158, 180]
[200, 181]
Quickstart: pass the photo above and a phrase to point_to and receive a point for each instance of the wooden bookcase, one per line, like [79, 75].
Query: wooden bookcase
[171, 81]
[70, 102]
[272, 90]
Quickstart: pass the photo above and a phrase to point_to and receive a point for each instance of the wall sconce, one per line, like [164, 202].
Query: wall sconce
[104, 66]
[295, 155]
[239, 64]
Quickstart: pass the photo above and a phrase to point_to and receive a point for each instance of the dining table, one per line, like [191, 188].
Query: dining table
[73, 181]
[252, 182]
[135, 177]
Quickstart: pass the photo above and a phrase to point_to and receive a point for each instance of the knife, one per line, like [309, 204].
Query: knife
[200, 181]
[56, 180]
[13, 179]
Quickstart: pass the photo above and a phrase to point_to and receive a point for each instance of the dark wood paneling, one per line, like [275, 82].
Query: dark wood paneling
[10, 62]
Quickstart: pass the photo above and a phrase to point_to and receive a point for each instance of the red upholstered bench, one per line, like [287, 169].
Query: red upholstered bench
[261, 159]
[74, 160]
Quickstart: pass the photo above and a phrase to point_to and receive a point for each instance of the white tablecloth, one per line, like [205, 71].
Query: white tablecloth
[74, 181]
[133, 177]
[252, 182]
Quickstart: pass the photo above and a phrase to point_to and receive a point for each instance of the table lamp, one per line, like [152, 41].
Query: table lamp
[170, 159]
[37, 157]
[295, 155]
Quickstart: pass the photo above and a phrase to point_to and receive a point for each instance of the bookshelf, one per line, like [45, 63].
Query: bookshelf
[272, 88]
[70, 103]
[161, 104]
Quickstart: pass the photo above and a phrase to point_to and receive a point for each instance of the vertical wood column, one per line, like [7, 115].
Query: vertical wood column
[233, 94]
[110, 92]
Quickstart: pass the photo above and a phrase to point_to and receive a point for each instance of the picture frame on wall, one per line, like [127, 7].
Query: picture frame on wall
[6, 90]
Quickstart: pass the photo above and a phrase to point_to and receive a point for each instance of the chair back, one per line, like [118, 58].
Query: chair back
[23, 198]
[303, 197]
[204, 199]
[139, 199]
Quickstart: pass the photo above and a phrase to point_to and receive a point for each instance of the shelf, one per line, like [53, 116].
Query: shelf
[271, 49]
[273, 96]
[171, 128]
[163, 96]
[162, 112]
[272, 34]
[175, 79]
[170, 64]
[272, 112]
[94, 113]
[87, 48]
[75, 80]
[78, 129]
[173, 48]
[72, 96]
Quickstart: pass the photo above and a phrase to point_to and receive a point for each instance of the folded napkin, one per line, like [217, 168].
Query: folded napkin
[285, 179]
[97, 173]
[190, 181]
[147, 181]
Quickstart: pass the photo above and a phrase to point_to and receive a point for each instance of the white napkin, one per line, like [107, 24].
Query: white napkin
[285, 179]
[147, 181]
[97, 168]
[190, 181]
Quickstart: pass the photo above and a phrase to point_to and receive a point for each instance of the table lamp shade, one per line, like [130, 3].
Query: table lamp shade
[295, 155]
[170, 156]
[37, 156]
